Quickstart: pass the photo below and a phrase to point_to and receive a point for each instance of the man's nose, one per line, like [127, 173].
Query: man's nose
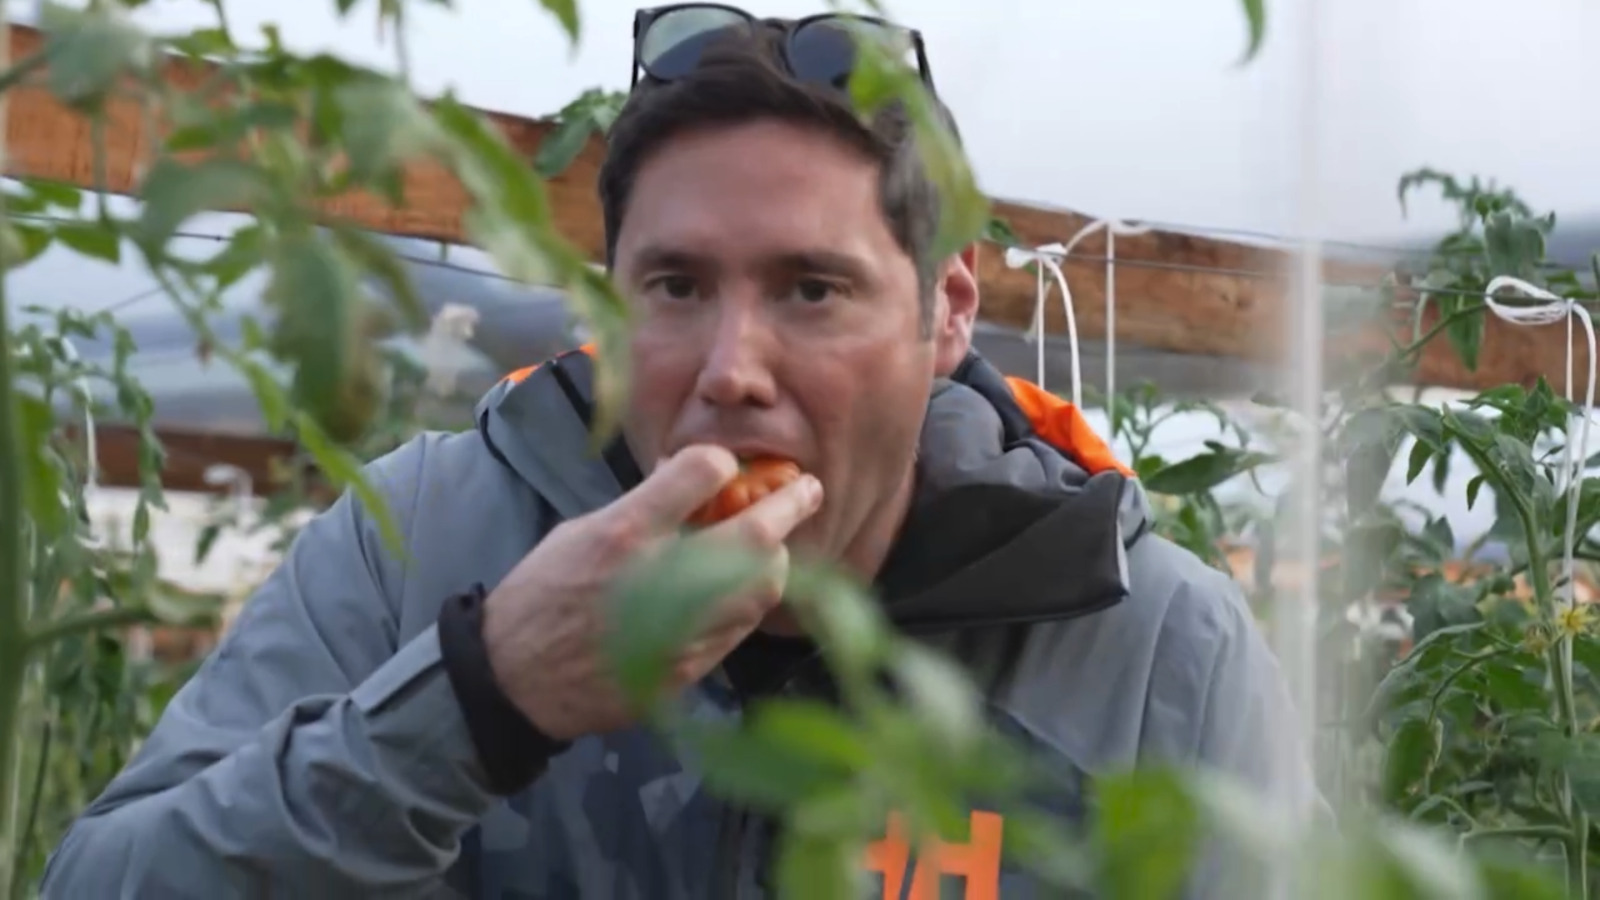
[737, 369]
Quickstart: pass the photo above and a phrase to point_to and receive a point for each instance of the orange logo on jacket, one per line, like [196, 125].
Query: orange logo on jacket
[976, 862]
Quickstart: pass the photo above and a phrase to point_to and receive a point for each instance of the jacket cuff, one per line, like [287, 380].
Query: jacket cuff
[514, 752]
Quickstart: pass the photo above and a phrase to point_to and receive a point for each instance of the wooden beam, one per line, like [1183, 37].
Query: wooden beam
[1175, 292]
[190, 453]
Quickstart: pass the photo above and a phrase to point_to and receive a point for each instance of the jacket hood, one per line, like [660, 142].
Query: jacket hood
[1021, 514]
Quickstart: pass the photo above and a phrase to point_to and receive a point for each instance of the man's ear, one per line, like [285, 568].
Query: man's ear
[955, 310]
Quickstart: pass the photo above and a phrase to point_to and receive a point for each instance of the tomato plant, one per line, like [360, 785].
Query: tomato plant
[275, 134]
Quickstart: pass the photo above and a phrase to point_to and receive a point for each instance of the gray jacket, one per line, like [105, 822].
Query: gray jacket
[320, 750]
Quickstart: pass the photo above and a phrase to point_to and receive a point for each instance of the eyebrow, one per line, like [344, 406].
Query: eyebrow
[658, 256]
[819, 262]
[824, 262]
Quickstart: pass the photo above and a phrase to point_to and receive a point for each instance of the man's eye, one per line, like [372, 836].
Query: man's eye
[813, 290]
[674, 287]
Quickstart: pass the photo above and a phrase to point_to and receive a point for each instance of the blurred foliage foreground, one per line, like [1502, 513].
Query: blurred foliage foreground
[1463, 698]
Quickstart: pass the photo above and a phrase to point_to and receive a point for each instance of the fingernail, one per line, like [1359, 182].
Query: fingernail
[811, 487]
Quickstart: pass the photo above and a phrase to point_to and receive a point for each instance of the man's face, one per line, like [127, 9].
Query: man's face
[777, 315]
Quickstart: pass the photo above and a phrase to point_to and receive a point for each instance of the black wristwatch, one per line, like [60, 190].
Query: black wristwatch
[514, 752]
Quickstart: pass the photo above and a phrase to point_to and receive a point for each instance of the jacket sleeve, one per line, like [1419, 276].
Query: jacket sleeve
[1251, 735]
[310, 755]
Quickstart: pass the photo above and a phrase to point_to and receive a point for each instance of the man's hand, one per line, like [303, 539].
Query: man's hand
[543, 624]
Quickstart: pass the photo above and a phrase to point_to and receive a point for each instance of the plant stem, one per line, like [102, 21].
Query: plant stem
[1541, 832]
[36, 799]
[13, 562]
[94, 620]
[1558, 660]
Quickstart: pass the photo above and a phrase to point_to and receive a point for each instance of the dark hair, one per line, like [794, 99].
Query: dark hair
[741, 79]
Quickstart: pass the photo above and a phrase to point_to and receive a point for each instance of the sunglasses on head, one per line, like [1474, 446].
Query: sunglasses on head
[670, 41]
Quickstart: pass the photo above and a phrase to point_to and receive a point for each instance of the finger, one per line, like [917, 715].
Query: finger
[769, 521]
[679, 486]
[713, 646]
[738, 615]
[732, 619]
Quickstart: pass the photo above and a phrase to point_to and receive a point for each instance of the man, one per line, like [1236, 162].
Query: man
[373, 726]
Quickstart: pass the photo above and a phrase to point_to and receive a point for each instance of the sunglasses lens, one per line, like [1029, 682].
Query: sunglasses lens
[674, 43]
[824, 50]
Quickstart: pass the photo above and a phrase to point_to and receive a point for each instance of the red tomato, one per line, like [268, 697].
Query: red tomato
[756, 479]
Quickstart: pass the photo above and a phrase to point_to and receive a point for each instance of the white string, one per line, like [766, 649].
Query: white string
[241, 490]
[1554, 309]
[1049, 256]
[1045, 257]
[1113, 228]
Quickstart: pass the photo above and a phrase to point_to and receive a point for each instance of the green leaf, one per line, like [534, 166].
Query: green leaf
[1578, 758]
[377, 260]
[315, 291]
[819, 867]
[566, 12]
[1204, 471]
[1586, 652]
[1255, 16]
[881, 76]
[89, 51]
[1441, 537]
[141, 523]
[1368, 549]
[1146, 466]
[384, 125]
[1514, 244]
[1472, 429]
[24, 243]
[1515, 880]
[1410, 756]
[1436, 603]
[244, 251]
[203, 42]
[512, 221]
[1147, 828]
[1371, 437]
[1473, 487]
[495, 176]
[175, 606]
[755, 766]
[1512, 686]
[561, 146]
[206, 541]
[1465, 334]
[662, 603]
[96, 239]
[1423, 423]
[270, 395]
[999, 231]
[55, 193]
[42, 487]
[840, 610]
[343, 469]
[225, 130]
[1420, 866]
[174, 192]
[941, 693]
[816, 729]
[1441, 472]
[1421, 453]
[1049, 850]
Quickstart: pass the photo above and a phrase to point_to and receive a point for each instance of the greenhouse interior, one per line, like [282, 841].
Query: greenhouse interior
[1235, 533]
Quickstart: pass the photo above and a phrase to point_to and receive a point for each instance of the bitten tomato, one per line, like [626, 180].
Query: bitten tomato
[756, 479]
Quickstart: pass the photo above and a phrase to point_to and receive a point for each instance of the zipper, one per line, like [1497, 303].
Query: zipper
[729, 861]
[729, 865]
